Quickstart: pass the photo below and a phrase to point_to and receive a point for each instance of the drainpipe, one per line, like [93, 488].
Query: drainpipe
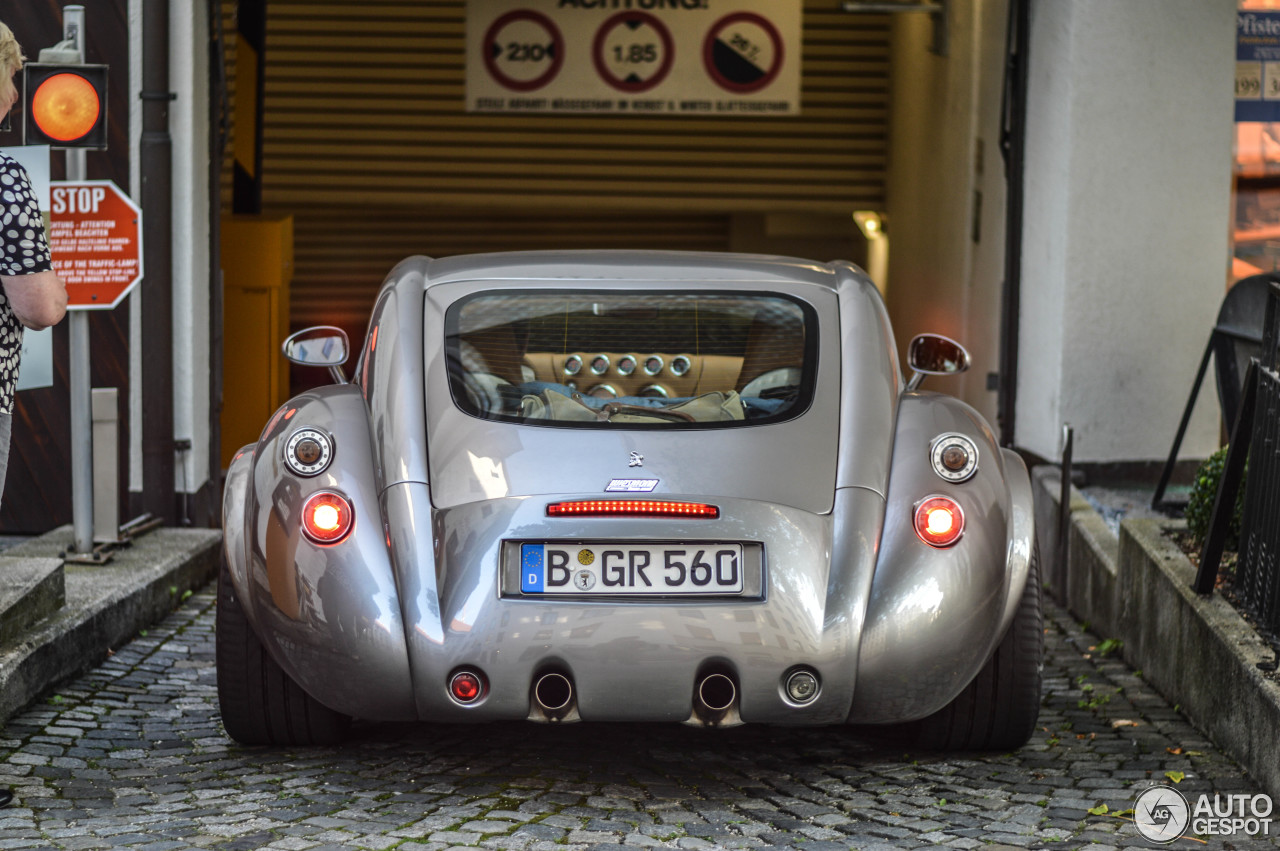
[1012, 144]
[218, 131]
[156, 170]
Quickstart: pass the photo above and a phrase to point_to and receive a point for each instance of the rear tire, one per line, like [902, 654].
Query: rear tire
[998, 710]
[260, 703]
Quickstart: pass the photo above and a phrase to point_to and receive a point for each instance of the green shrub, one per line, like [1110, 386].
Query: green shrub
[1203, 492]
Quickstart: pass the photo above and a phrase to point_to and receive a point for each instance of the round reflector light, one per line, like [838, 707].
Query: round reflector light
[65, 107]
[308, 452]
[326, 517]
[802, 686]
[939, 521]
[954, 456]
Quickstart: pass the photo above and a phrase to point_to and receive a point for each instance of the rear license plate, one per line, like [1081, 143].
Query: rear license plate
[601, 569]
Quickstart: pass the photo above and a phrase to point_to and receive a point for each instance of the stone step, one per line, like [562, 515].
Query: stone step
[31, 589]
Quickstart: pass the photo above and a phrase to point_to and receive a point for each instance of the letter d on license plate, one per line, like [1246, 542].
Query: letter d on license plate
[603, 569]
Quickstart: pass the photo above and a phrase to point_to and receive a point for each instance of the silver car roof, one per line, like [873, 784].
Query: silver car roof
[649, 266]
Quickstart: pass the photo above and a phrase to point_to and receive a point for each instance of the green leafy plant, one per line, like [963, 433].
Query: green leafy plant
[1204, 490]
[1109, 645]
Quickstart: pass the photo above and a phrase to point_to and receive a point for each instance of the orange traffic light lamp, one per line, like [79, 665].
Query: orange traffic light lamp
[65, 106]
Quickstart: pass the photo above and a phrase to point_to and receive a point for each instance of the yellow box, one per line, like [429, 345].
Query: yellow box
[257, 266]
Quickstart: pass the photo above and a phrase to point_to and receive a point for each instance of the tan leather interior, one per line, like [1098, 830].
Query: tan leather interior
[707, 373]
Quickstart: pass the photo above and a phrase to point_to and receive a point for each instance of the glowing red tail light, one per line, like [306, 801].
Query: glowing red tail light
[939, 521]
[631, 508]
[326, 517]
[466, 686]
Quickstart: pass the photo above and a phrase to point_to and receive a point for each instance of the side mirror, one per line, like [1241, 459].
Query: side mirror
[934, 354]
[323, 345]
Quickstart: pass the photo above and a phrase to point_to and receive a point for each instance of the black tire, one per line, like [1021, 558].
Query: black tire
[260, 703]
[998, 710]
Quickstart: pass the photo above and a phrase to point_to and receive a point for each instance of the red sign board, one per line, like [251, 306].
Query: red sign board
[96, 242]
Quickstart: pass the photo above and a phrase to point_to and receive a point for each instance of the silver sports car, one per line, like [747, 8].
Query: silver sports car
[629, 486]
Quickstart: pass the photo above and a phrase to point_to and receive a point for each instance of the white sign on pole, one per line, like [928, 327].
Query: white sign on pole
[36, 366]
[634, 57]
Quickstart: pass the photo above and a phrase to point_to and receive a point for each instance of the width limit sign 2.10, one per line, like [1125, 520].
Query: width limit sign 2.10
[719, 57]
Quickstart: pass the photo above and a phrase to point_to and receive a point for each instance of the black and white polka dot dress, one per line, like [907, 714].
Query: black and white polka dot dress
[23, 251]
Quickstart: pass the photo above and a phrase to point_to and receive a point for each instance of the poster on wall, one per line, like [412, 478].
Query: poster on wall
[36, 367]
[634, 57]
[1257, 66]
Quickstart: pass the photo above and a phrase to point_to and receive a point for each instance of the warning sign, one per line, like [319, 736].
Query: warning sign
[668, 57]
[633, 51]
[523, 50]
[743, 52]
[95, 239]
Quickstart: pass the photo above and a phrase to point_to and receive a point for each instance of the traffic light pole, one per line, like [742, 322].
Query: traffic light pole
[81, 394]
[81, 412]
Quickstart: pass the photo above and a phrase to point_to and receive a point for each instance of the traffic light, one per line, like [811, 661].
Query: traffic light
[64, 106]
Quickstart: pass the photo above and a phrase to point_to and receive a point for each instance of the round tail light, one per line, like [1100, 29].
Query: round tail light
[326, 517]
[939, 521]
[466, 686]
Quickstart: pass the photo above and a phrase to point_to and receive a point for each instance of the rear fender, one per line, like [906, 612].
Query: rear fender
[935, 615]
[328, 614]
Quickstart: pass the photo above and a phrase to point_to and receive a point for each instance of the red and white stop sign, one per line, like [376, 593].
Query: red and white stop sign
[96, 242]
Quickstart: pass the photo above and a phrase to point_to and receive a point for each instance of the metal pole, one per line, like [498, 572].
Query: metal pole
[81, 410]
[81, 434]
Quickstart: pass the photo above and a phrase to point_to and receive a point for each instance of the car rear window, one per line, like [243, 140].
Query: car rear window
[631, 360]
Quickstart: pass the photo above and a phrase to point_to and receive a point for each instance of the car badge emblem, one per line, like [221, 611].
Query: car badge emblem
[631, 486]
[636, 460]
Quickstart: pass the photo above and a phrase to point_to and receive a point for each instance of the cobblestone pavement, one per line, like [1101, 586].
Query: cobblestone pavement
[132, 755]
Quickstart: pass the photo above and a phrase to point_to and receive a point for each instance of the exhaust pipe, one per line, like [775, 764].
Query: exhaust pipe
[553, 698]
[716, 693]
[715, 702]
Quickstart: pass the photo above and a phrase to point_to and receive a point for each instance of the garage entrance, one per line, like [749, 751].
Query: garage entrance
[367, 144]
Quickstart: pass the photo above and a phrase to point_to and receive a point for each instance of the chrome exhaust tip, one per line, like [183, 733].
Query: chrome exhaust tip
[715, 702]
[716, 693]
[553, 692]
[553, 698]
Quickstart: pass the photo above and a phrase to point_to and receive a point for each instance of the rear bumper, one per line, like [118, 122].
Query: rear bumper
[629, 660]
[375, 626]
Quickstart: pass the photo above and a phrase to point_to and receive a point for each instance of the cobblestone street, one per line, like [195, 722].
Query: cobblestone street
[133, 755]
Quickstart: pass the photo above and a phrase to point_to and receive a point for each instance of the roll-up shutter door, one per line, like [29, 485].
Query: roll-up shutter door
[367, 142]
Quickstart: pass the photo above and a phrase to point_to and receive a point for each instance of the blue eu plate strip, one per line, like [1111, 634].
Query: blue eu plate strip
[531, 573]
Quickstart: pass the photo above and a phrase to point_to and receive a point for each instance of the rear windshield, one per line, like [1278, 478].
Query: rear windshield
[631, 360]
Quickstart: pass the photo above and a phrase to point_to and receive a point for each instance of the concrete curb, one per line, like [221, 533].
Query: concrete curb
[1196, 651]
[31, 589]
[105, 606]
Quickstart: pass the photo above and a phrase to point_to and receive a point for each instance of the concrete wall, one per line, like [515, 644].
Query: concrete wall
[947, 189]
[1128, 180]
[930, 181]
[189, 73]
[188, 127]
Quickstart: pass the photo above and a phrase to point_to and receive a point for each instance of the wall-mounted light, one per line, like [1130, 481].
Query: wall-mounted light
[870, 223]
[872, 227]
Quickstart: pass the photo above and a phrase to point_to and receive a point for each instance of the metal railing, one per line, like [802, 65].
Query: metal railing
[1255, 437]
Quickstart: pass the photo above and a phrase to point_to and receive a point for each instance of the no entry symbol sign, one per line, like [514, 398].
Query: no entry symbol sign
[743, 52]
[633, 52]
[523, 50]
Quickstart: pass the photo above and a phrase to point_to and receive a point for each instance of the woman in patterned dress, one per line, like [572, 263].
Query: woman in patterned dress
[33, 295]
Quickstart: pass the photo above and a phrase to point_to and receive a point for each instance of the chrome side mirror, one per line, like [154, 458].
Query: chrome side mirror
[934, 354]
[322, 345]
